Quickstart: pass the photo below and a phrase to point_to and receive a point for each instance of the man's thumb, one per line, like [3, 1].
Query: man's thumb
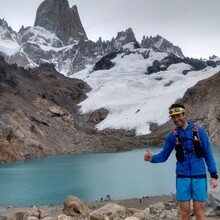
[148, 151]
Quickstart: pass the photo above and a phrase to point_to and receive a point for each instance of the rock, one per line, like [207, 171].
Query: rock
[36, 212]
[75, 207]
[132, 218]
[98, 115]
[31, 214]
[19, 216]
[64, 217]
[212, 206]
[153, 126]
[168, 83]
[105, 62]
[169, 214]
[140, 214]
[5, 128]
[157, 208]
[56, 111]
[96, 216]
[170, 205]
[109, 210]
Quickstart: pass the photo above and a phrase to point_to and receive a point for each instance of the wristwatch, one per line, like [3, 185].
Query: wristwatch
[214, 175]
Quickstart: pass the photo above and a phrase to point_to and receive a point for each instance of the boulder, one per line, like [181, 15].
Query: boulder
[169, 214]
[157, 208]
[140, 214]
[212, 206]
[31, 214]
[64, 217]
[98, 115]
[110, 210]
[75, 207]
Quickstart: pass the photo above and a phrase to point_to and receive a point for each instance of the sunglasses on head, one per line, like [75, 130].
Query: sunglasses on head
[175, 111]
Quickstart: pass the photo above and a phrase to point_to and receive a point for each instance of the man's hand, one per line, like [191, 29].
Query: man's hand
[213, 182]
[148, 156]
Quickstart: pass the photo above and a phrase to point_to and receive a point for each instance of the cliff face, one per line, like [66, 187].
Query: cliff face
[202, 102]
[56, 16]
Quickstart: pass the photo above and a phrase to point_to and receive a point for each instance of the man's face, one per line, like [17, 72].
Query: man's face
[179, 119]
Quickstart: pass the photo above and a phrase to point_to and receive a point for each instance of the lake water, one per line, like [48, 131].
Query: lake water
[88, 176]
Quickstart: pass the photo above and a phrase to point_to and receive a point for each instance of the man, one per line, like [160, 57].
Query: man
[192, 152]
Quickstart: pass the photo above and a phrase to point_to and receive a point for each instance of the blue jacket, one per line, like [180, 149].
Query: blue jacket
[192, 165]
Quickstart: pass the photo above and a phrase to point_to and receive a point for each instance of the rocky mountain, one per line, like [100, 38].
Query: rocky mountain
[6, 32]
[32, 46]
[131, 82]
[40, 116]
[58, 37]
[57, 17]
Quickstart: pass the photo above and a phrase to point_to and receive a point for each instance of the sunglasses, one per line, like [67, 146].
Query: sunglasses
[175, 111]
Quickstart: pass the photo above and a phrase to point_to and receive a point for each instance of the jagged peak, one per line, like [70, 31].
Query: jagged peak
[127, 32]
[162, 44]
[22, 28]
[214, 57]
[74, 8]
[58, 17]
[4, 24]
[125, 37]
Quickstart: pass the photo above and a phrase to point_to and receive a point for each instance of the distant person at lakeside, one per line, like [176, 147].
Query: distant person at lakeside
[192, 152]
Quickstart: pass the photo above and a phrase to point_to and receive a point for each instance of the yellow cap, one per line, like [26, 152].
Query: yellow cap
[176, 111]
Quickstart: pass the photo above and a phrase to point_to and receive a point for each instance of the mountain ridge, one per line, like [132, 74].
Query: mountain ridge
[57, 22]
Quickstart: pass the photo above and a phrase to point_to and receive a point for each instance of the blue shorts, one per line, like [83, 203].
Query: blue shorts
[188, 188]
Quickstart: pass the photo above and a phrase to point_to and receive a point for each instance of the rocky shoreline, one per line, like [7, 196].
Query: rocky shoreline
[152, 208]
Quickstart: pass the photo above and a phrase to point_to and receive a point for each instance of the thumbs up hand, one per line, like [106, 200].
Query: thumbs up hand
[148, 156]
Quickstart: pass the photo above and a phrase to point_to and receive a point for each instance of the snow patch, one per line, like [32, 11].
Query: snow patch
[135, 99]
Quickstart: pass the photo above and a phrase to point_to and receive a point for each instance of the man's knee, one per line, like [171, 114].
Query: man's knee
[184, 210]
[199, 209]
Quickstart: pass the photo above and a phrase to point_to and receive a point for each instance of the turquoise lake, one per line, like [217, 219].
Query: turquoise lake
[90, 177]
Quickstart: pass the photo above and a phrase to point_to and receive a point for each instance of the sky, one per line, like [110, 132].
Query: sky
[193, 25]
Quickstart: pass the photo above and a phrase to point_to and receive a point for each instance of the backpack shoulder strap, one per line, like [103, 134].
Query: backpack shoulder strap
[195, 133]
[176, 135]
